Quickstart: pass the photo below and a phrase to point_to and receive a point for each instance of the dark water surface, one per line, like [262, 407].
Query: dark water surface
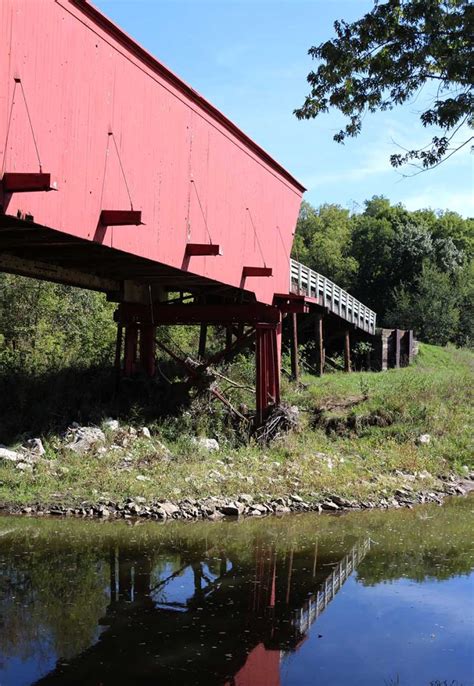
[366, 599]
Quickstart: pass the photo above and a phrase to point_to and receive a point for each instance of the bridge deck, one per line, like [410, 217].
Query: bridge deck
[305, 281]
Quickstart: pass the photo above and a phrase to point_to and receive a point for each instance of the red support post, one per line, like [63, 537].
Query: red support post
[268, 369]
[295, 371]
[130, 354]
[118, 356]
[147, 348]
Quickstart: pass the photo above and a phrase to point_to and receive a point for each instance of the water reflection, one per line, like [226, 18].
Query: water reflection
[262, 603]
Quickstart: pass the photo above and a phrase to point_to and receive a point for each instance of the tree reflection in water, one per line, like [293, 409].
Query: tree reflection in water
[100, 603]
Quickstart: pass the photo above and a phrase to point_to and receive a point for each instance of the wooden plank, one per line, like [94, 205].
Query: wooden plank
[347, 351]
[202, 249]
[27, 182]
[295, 372]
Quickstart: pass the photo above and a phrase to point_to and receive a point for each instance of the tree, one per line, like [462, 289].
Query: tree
[384, 60]
[323, 241]
[45, 325]
[432, 309]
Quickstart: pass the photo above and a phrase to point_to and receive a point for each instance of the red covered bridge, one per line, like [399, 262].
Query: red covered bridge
[117, 176]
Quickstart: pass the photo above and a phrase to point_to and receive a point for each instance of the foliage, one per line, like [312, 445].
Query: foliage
[431, 310]
[45, 325]
[395, 261]
[322, 242]
[385, 59]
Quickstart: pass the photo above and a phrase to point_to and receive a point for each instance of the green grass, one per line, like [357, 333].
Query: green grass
[359, 460]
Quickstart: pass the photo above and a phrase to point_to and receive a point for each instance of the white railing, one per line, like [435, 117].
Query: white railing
[305, 281]
[316, 604]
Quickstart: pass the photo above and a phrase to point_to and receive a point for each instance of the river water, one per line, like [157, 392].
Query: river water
[364, 599]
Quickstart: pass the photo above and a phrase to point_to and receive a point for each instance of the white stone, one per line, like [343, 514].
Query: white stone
[85, 437]
[141, 477]
[169, 508]
[10, 455]
[35, 445]
[424, 439]
[144, 432]
[209, 444]
[111, 424]
[24, 466]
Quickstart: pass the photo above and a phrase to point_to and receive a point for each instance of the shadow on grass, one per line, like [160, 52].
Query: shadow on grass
[38, 404]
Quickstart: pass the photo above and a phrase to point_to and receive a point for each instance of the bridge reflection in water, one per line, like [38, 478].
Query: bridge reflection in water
[183, 619]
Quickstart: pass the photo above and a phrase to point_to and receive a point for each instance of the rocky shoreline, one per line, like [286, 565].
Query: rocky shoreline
[216, 508]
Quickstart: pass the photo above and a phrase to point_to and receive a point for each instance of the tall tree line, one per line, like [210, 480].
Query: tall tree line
[415, 269]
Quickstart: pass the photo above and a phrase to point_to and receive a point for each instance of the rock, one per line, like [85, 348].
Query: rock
[245, 498]
[140, 500]
[329, 505]
[24, 466]
[85, 438]
[214, 516]
[142, 477]
[424, 439]
[341, 502]
[144, 432]
[111, 424]
[35, 445]
[169, 508]
[209, 444]
[424, 475]
[296, 498]
[232, 509]
[10, 455]
[282, 509]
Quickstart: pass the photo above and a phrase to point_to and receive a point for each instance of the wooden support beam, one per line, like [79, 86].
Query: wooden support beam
[228, 337]
[51, 272]
[202, 340]
[319, 334]
[147, 349]
[130, 354]
[120, 217]
[196, 313]
[295, 372]
[267, 369]
[13, 182]
[256, 271]
[347, 351]
[202, 249]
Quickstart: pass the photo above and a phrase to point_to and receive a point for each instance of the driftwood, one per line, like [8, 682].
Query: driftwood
[282, 419]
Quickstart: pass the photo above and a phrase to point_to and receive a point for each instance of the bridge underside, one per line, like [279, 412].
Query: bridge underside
[142, 288]
[29, 249]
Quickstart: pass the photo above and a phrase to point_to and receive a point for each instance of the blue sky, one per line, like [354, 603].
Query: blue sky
[249, 58]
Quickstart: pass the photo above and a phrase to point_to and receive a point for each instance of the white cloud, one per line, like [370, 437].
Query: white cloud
[445, 199]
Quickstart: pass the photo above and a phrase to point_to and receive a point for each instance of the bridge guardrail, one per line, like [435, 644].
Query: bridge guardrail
[305, 281]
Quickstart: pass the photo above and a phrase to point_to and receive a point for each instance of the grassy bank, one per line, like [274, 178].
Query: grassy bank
[357, 434]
